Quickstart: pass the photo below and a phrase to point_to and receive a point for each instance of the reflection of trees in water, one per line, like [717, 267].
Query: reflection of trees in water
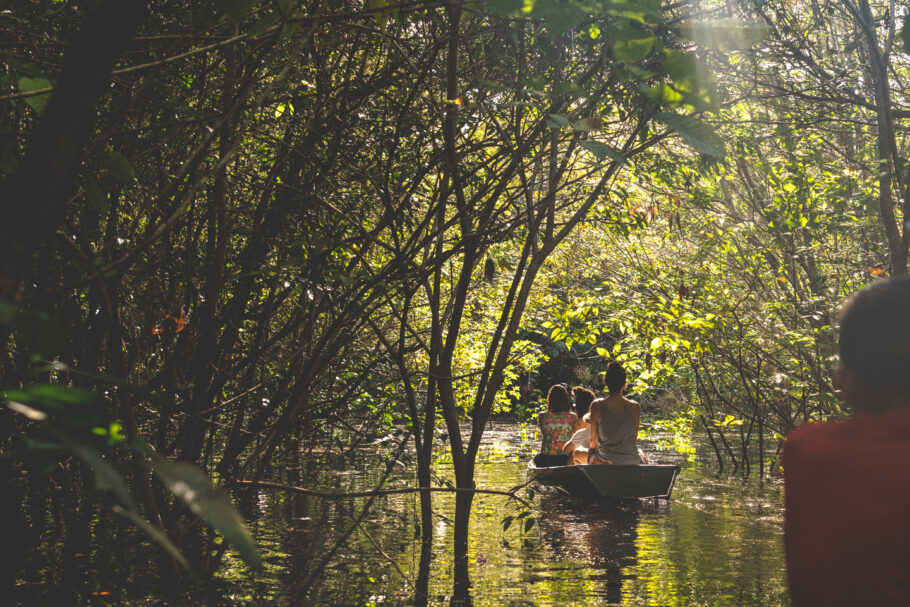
[600, 534]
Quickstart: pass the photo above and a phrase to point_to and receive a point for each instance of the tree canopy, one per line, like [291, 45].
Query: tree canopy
[238, 233]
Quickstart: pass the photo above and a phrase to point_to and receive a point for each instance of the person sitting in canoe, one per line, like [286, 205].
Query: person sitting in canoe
[557, 421]
[577, 447]
[846, 495]
[614, 423]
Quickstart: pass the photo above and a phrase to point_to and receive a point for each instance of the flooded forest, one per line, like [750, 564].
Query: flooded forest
[284, 285]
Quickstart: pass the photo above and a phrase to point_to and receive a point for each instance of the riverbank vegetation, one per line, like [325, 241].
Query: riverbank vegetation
[241, 240]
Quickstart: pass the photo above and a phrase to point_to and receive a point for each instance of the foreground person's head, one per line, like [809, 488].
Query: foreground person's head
[558, 399]
[875, 347]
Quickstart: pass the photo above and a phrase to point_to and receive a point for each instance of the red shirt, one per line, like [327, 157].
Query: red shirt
[847, 518]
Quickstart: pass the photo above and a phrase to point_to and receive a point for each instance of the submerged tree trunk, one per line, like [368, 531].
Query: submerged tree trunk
[461, 583]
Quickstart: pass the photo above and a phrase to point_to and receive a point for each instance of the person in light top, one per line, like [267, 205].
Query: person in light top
[577, 447]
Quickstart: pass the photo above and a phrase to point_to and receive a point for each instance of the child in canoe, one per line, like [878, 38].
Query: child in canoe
[557, 421]
[577, 447]
[847, 495]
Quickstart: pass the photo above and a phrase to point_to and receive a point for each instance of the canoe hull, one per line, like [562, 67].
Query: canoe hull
[650, 480]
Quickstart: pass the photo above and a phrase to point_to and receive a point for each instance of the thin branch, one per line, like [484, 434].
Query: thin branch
[329, 495]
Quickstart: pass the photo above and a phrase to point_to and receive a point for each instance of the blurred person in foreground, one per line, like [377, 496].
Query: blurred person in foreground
[847, 482]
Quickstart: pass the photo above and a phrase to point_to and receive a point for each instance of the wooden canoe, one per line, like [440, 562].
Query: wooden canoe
[648, 480]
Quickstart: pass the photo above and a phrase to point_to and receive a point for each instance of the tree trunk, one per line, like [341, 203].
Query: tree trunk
[31, 199]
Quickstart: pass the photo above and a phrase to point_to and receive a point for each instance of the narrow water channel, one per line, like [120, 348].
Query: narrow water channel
[716, 542]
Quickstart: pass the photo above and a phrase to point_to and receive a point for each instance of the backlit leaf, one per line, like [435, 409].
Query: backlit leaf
[724, 34]
[95, 195]
[50, 397]
[37, 102]
[117, 166]
[263, 24]
[633, 48]
[697, 133]
[191, 485]
[106, 477]
[560, 17]
[156, 534]
[602, 151]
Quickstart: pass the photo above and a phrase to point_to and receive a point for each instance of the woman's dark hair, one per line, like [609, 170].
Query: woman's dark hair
[875, 341]
[583, 399]
[558, 399]
[615, 378]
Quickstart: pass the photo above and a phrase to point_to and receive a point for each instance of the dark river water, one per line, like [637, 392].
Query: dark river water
[718, 541]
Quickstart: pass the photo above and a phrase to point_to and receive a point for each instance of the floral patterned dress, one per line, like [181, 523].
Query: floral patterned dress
[556, 430]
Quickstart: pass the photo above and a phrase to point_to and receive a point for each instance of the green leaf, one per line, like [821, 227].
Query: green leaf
[664, 94]
[95, 194]
[631, 48]
[602, 151]
[560, 17]
[106, 477]
[38, 102]
[679, 65]
[697, 133]
[636, 10]
[156, 534]
[117, 166]
[724, 34]
[142, 391]
[506, 7]
[559, 120]
[191, 485]
[234, 8]
[507, 522]
[692, 81]
[529, 523]
[41, 335]
[263, 24]
[47, 396]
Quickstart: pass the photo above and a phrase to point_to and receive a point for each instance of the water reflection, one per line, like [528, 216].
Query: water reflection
[602, 535]
[717, 542]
